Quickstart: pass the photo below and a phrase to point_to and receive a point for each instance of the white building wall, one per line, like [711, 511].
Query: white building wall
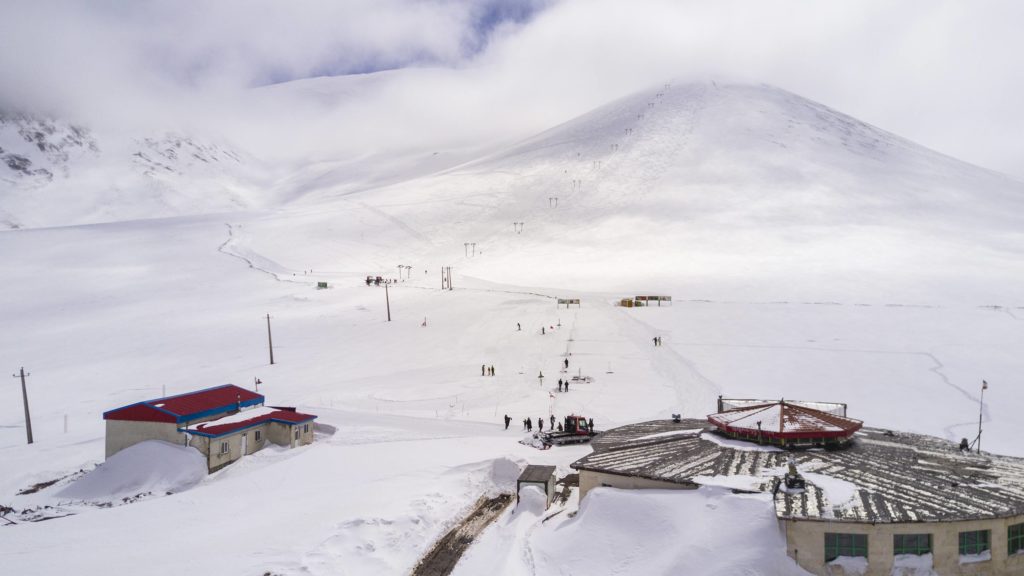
[590, 480]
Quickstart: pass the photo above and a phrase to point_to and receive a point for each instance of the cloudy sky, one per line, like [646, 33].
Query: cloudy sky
[947, 74]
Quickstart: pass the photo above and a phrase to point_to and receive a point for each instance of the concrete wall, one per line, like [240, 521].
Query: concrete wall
[284, 434]
[124, 433]
[805, 542]
[280, 434]
[590, 479]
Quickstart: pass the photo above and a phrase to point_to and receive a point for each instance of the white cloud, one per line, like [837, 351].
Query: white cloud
[941, 72]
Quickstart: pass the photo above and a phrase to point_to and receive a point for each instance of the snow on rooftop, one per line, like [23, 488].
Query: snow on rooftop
[690, 432]
[859, 483]
[240, 416]
[741, 445]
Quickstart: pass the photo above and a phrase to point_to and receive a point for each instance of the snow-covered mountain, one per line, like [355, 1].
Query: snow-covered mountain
[750, 187]
[54, 172]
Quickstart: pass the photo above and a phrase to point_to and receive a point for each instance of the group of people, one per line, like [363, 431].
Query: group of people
[562, 385]
[485, 370]
[657, 340]
[553, 424]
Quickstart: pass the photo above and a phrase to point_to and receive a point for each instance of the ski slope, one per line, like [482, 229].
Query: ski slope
[809, 256]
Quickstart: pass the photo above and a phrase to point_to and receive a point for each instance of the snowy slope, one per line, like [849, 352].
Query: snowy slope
[809, 256]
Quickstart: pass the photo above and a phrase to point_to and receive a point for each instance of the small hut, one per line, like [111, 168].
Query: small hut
[540, 476]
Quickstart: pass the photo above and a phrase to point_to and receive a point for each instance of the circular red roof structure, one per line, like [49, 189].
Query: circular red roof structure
[785, 423]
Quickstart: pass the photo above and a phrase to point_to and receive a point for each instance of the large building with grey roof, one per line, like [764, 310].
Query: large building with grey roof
[878, 501]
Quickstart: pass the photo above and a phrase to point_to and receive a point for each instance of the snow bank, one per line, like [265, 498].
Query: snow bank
[912, 565]
[504, 473]
[151, 466]
[531, 501]
[735, 482]
[975, 558]
[839, 492]
[851, 565]
[625, 532]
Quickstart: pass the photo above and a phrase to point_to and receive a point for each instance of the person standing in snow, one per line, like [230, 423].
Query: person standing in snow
[492, 370]
[507, 421]
[483, 370]
[519, 327]
[540, 424]
[566, 363]
[590, 424]
[552, 422]
[559, 384]
[529, 425]
[567, 385]
[542, 331]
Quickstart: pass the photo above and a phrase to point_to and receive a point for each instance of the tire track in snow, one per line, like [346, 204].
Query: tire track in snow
[224, 249]
[675, 368]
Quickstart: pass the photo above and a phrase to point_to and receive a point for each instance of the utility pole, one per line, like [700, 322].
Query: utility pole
[981, 408]
[24, 398]
[270, 340]
[387, 300]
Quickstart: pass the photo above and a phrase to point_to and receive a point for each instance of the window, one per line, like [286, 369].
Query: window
[1015, 539]
[975, 542]
[305, 428]
[224, 449]
[296, 433]
[258, 435]
[912, 544]
[845, 545]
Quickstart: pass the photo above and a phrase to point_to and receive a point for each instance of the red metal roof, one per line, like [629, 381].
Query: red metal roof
[784, 421]
[236, 424]
[140, 412]
[182, 407]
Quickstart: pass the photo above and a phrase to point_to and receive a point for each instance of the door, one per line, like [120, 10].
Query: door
[245, 444]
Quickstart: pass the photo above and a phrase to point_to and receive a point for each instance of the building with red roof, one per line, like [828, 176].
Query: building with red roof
[224, 423]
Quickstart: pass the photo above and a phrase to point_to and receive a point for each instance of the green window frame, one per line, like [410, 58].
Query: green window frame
[845, 545]
[1015, 538]
[975, 541]
[917, 544]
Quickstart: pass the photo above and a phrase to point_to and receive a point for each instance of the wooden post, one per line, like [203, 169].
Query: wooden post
[270, 340]
[24, 399]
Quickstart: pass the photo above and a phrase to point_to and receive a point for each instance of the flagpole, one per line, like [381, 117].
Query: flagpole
[981, 408]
